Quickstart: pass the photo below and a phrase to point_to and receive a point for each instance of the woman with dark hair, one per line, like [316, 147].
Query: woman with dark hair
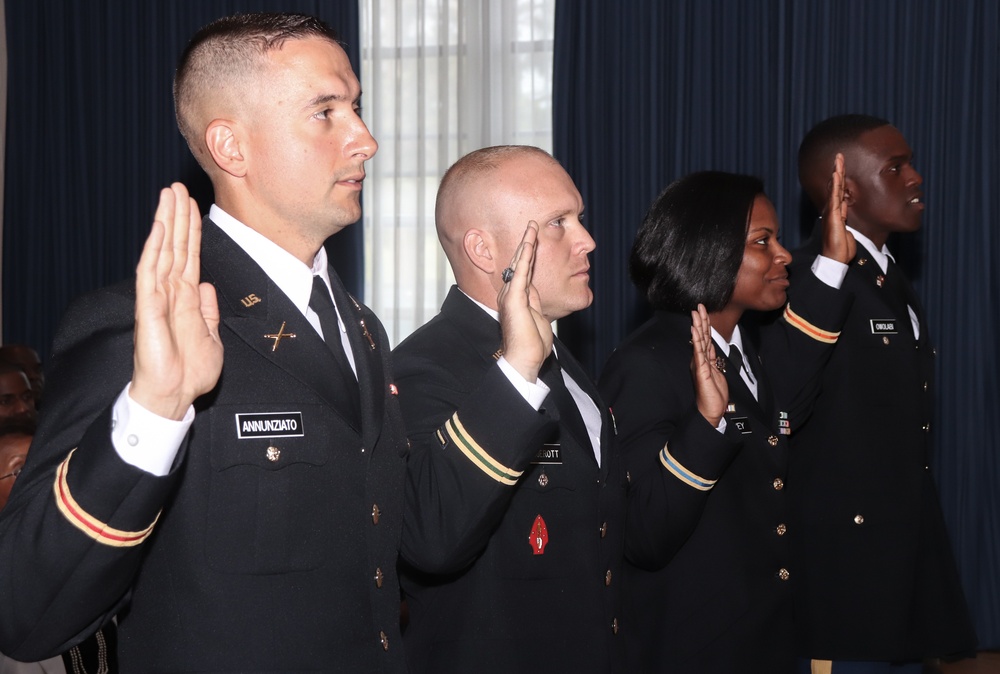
[709, 592]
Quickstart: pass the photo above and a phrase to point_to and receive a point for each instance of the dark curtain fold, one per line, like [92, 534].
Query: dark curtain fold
[91, 139]
[646, 91]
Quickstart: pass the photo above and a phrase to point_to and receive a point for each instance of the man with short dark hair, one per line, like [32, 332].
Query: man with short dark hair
[240, 512]
[878, 590]
[16, 396]
[28, 360]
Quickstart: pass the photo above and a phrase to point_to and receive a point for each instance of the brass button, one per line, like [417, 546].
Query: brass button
[925, 387]
[780, 529]
[375, 513]
[927, 428]
[772, 440]
[543, 480]
[862, 262]
[859, 519]
[885, 340]
[604, 530]
[628, 476]
[934, 351]
[783, 573]
[378, 577]
[614, 625]
[778, 484]
[273, 454]
[607, 578]
[384, 639]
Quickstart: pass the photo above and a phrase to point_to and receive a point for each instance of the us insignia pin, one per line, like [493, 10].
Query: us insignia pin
[539, 536]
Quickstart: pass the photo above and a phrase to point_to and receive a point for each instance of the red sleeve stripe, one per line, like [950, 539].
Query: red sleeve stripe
[819, 334]
[89, 525]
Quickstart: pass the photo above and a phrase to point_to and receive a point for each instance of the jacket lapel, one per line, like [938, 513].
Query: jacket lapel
[573, 368]
[255, 310]
[483, 332]
[363, 338]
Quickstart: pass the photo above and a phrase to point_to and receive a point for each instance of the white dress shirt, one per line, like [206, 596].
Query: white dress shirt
[150, 442]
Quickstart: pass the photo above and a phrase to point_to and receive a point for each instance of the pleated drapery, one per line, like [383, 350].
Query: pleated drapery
[91, 139]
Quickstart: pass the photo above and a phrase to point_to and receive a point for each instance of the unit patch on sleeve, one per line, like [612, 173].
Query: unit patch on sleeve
[269, 425]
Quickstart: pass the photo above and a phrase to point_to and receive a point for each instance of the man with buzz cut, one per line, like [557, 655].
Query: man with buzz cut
[220, 458]
[515, 519]
[878, 591]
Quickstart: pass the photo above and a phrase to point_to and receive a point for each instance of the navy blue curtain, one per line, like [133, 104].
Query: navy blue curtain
[91, 139]
[647, 90]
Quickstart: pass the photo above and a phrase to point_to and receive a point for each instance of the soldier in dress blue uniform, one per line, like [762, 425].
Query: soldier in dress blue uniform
[220, 459]
[515, 517]
[878, 590]
[712, 592]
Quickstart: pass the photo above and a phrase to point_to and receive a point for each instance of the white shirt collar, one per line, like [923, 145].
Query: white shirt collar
[289, 273]
[737, 340]
[882, 257]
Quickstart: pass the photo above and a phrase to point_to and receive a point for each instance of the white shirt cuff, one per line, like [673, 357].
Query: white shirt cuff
[533, 392]
[829, 271]
[146, 440]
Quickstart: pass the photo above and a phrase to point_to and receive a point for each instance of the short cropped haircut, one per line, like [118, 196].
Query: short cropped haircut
[232, 49]
[821, 144]
[690, 245]
[476, 163]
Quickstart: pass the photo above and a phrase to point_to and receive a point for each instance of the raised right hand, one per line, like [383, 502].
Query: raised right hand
[178, 352]
[711, 390]
[838, 243]
[527, 334]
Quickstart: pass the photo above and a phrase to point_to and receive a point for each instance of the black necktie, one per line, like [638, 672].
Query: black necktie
[736, 360]
[559, 395]
[321, 303]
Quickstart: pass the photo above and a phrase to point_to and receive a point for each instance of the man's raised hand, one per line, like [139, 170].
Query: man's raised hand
[178, 353]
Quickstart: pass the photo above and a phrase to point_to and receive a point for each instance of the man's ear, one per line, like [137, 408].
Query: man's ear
[850, 190]
[223, 144]
[478, 246]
